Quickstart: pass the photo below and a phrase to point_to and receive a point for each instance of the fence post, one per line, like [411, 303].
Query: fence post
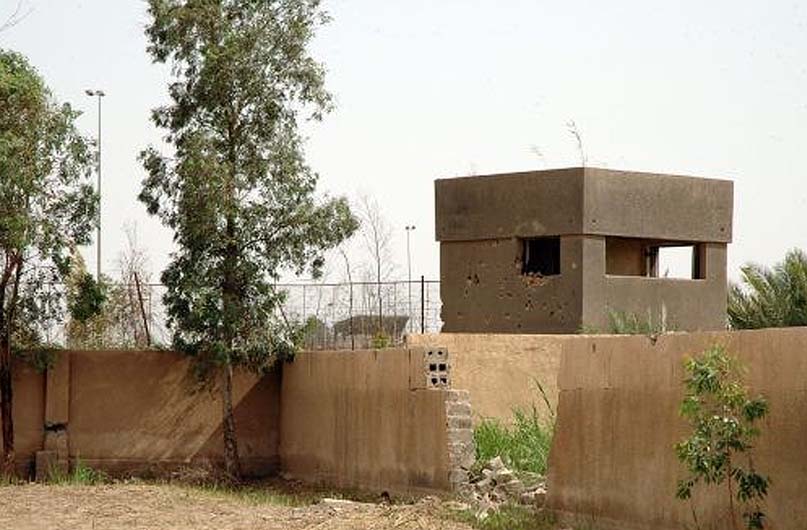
[422, 304]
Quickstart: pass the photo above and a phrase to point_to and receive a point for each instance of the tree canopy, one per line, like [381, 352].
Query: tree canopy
[771, 297]
[47, 205]
[236, 191]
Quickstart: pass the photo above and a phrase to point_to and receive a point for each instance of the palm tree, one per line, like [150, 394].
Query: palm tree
[771, 298]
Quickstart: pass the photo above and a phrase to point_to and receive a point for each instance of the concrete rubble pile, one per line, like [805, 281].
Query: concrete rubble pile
[497, 485]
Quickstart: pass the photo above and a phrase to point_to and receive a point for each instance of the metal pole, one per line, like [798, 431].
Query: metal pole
[98, 94]
[423, 304]
[409, 275]
[98, 252]
[352, 335]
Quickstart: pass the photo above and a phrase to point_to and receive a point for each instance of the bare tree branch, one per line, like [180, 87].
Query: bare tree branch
[572, 128]
[17, 16]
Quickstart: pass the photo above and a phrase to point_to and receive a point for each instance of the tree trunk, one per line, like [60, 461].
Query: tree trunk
[232, 462]
[7, 463]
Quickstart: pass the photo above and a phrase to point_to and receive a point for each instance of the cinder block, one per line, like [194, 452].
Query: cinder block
[458, 409]
[458, 395]
[460, 435]
[429, 368]
[459, 422]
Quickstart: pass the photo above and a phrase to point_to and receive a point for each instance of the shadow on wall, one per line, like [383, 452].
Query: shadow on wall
[132, 411]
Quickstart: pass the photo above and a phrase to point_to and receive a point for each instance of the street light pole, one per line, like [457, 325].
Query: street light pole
[409, 229]
[99, 94]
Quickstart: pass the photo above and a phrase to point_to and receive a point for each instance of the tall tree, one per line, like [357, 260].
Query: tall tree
[237, 191]
[47, 204]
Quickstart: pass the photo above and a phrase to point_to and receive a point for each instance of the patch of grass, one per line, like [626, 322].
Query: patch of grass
[625, 323]
[509, 517]
[523, 445]
[82, 475]
[8, 480]
[622, 323]
[256, 494]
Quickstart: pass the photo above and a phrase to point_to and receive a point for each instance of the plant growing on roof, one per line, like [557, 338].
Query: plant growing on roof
[237, 192]
[723, 419]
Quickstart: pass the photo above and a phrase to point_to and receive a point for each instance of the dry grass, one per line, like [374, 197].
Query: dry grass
[165, 506]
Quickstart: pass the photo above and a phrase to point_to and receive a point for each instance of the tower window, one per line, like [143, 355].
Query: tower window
[541, 256]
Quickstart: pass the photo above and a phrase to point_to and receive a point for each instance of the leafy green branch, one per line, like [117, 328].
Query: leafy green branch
[723, 419]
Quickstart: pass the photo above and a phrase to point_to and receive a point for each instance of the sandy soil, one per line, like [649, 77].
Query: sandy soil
[163, 507]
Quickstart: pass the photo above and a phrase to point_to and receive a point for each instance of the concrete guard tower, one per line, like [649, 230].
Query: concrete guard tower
[558, 251]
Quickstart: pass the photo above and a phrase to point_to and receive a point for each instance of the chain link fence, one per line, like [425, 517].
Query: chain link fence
[337, 315]
[363, 314]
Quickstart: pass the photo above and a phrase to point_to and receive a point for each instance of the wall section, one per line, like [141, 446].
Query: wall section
[363, 419]
[612, 458]
[484, 291]
[500, 371]
[28, 412]
[141, 411]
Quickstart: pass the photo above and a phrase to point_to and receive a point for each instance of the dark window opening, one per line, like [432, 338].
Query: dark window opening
[541, 256]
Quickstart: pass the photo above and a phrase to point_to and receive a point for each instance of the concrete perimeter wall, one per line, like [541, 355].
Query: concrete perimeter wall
[618, 400]
[29, 413]
[374, 420]
[369, 419]
[134, 409]
[138, 412]
[500, 370]
[612, 458]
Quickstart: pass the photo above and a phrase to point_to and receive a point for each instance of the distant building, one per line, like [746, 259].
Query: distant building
[559, 251]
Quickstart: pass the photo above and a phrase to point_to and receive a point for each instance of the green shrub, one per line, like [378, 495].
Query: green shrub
[626, 323]
[623, 323]
[723, 420]
[523, 445]
[771, 298]
[381, 340]
[82, 475]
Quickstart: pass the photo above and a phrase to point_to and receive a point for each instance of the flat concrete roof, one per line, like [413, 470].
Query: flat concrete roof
[590, 201]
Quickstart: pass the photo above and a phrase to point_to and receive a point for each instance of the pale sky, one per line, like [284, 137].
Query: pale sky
[432, 89]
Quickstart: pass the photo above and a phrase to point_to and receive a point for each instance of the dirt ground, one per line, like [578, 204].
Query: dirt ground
[163, 507]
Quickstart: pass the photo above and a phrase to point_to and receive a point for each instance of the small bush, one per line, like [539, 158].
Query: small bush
[522, 446]
[381, 340]
[723, 420]
[623, 323]
[82, 475]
